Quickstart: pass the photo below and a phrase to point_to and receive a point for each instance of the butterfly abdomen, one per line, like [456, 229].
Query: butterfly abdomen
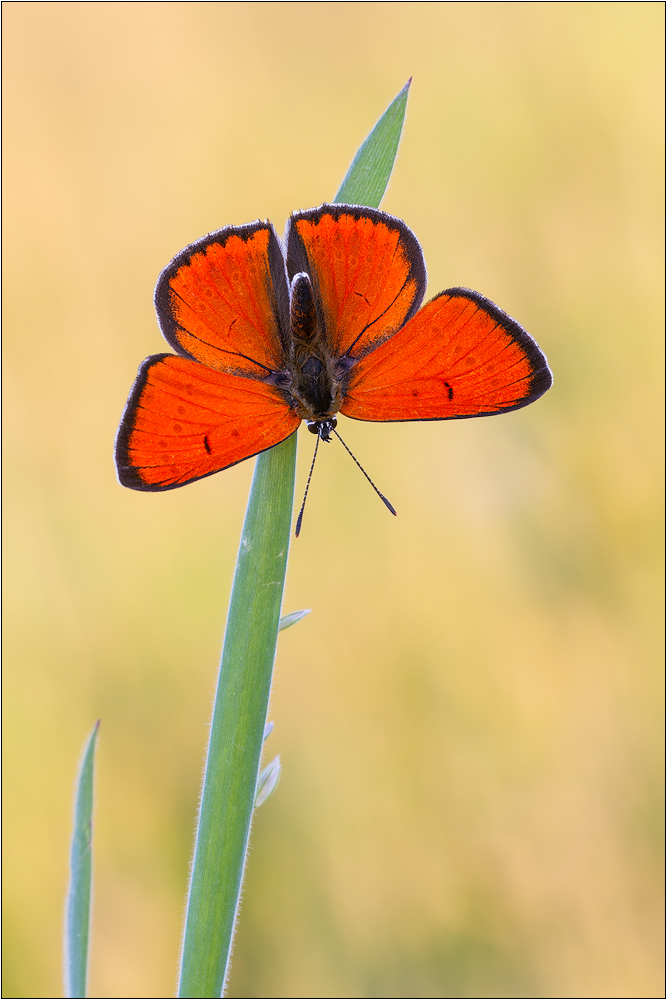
[303, 314]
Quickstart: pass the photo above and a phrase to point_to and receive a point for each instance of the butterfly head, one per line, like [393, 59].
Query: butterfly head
[323, 428]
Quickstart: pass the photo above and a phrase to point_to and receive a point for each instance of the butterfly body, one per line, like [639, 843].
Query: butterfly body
[314, 382]
[266, 338]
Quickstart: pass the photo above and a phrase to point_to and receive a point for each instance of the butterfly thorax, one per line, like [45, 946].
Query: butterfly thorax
[315, 381]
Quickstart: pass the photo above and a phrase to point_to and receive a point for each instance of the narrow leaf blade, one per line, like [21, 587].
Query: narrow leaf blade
[238, 726]
[77, 926]
[366, 181]
[267, 781]
[291, 619]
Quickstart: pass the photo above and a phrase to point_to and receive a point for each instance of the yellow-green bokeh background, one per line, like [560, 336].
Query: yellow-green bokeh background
[469, 720]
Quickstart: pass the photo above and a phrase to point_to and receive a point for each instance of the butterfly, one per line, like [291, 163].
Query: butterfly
[266, 337]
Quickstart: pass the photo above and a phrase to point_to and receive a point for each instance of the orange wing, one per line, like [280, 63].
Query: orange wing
[224, 301]
[184, 421]
[367, 270]
[460, 356]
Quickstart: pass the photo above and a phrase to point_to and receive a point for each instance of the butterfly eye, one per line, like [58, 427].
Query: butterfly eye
[322, 427]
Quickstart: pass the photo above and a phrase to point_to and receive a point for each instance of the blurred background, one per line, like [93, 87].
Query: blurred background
[470, 719]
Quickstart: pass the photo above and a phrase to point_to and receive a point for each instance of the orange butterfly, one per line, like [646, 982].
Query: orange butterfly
[265, 340]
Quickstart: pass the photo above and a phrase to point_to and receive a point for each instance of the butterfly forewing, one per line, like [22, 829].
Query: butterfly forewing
[460, 356]
[184, 421]
[224, 301]
[367, 270]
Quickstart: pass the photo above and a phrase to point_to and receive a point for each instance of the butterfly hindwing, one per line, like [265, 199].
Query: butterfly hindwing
[459, 356]
[224, 301]
[367, 269]
[184, 421]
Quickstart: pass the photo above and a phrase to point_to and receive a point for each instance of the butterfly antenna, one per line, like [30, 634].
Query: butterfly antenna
[381, 496]
[312, 466]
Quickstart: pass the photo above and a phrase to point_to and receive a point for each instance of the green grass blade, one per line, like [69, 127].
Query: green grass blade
[366, 181]
[244, 683]
[237, 730]
[77, 921]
